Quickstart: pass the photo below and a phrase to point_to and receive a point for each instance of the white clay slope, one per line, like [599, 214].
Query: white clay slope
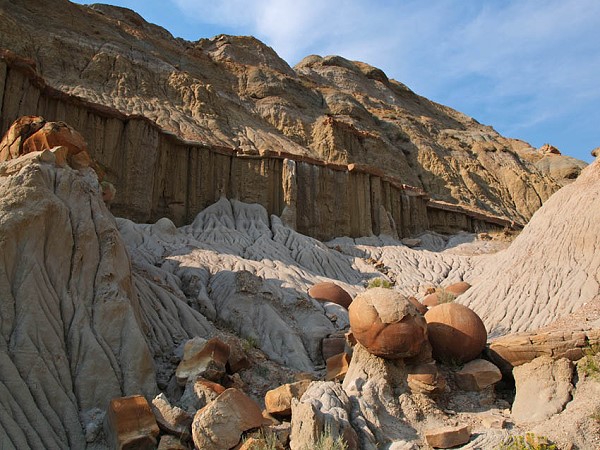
[551, 269]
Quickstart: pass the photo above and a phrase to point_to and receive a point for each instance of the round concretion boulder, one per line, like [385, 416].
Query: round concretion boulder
[330, 292]
[387, 324]
[456, 333]
[458, 288]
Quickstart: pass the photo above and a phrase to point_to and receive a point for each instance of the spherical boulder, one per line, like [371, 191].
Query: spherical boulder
[456, 333]
[387, 324]
[330, 292]
[458, 288]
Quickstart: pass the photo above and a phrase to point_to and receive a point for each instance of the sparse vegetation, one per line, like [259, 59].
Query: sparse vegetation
[527, 442]
[379, 282]
[262, 371]
[444, 296]
[589, 363]
[326, 441]
[266, 440]
[249, 343]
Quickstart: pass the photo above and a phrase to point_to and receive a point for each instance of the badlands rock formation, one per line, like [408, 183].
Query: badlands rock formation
[169, 119]
[551, 269]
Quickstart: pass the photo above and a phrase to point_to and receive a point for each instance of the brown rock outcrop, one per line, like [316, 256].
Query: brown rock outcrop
[456, 333]
[130, 423]
[337, 367]
[221, 423]
[387, 324]
[330, 292]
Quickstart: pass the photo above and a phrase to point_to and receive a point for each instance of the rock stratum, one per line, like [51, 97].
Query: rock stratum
[178, 124]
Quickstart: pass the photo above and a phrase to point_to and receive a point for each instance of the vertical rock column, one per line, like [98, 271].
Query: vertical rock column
[289, 183]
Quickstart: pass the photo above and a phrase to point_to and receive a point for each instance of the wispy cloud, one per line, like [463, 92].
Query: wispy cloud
[516, 64]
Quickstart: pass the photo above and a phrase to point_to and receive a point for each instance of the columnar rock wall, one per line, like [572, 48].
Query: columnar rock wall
[158, 174]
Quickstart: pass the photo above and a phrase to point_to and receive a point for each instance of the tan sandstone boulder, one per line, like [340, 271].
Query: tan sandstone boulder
[221, 423]
[456, 333]
[198, 393]
[337, 367]
[171, 419]
[330, 292]
[387, 324]
[279, 401]
[476, 375]
[130, 423]
[448, 437]
[204, 358]
[426, 379]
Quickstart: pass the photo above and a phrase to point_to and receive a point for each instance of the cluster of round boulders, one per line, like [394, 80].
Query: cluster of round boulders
[387, 324]
[330, 292]
[456, 333]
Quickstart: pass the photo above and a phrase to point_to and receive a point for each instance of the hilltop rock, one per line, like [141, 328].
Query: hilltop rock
[235, 95]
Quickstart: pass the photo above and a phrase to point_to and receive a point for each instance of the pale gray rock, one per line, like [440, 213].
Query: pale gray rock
[544, 387]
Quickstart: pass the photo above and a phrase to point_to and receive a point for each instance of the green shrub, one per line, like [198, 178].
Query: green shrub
[379, 282]
[249, 343]
[528, 442]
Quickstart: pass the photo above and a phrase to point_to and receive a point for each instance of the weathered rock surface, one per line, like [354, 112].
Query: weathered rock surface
[171, 419]
[550, 270]
[130, 423]
[448, 437]
[198, 393]
[455, 332]
[337, 367]
[279, 401]
[387, 324]
[203, 358]
[236, 95]
[544, 386]
[476, 375]
[221, 423]
[323, 406]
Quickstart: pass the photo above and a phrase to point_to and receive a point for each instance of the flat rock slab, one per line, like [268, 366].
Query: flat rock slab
[448, 437]
[476, 375]
[544, 387]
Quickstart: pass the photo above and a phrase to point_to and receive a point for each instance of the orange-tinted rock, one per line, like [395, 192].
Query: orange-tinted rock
[12, 141]
[422, 308]
[279, 401]
[456, 333]
[448, 437]
[168, 442]
[130, 423]
[431, 300]
[426, 379]
[204, 358]
[458, 288]
[337, 367]
[387, 324]
[108, 192]
[54, 134]
[330, 292]
[220, 424]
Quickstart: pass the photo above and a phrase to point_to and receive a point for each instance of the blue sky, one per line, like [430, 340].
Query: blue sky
[529, 68]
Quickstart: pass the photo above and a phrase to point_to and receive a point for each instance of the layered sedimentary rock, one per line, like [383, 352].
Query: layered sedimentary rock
[113, 76]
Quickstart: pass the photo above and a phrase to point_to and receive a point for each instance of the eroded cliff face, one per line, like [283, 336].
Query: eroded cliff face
[234, 95]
